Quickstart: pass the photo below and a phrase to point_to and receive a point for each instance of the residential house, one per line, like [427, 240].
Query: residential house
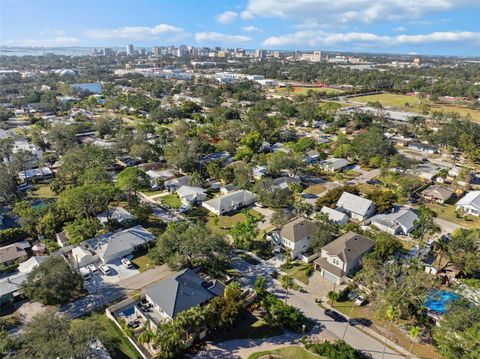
[218, 156]
[426, 171]
[119, 214]
[437, 194]
[334, 164]
[158, 177]
[401, 222]
[470, 203]
[31, 264]
[177, 293]
[259, 172]
[190, 195]
[295, 236]
[11, 253]
[356, 207]
[336, 216]
[312, 156]
[423, 147]
[114, 246]
[174, 184]
[35, 174]
[285, 182]
[341, 258]
[229, 202]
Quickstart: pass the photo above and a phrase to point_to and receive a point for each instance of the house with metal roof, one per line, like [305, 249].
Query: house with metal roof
[116, 245]
[338, 217]
[191, 194]
[341, 258]
[177, 293]
[470, 203]
[334, 164]
[295, 236]
[401, 222]
[356, 207]
[229, 202]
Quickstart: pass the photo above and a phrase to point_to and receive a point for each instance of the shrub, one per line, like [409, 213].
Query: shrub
[12, 235]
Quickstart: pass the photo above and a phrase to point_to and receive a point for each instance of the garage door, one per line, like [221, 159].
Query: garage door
[329, 276]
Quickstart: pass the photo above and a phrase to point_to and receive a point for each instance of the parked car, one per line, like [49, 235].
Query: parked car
[352, 295]
[105, 269]
[360, 300]
[259, 204]
[92, 268]
[335, 316]
[85, 273]
[126, 262]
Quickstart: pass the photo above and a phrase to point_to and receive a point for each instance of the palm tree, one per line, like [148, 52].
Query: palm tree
[392, 314]
[414, 332]
[287, 283]
[148, 335]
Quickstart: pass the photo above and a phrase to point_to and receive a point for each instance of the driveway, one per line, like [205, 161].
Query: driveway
[353, 336]
[367, 176]
[267, 213]
[446, 226]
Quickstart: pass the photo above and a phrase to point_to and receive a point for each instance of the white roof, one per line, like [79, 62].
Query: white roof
[231, 199]
[29, 265]
[118, 213]
[471, 199]
[403, 217]
[337, 162]
[186, 191]
[354, 203]
[333, 214]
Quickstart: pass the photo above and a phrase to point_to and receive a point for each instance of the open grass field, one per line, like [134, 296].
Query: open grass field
[43, 191]
[223, 224]
[304, 90]
[447, 212]
[290, 352]
[315, 189]
[400, 101]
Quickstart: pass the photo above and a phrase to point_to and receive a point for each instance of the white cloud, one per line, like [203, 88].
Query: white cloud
[227, 17]
[347, 11]
[246, 15]
[135, 32]
[401, 29]
[313, 38]
[217, 38]
[53, 32]
[251, 28]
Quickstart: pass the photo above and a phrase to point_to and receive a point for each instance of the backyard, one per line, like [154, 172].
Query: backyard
[123, 349]
[315, 189]
[299, 271]
[223, 224]
[170, 200]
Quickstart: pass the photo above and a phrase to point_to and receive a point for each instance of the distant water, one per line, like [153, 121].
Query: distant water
[41, 51]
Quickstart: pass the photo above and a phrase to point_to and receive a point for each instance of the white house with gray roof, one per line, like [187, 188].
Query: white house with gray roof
[334, 164]
[355, 207]
[336, 216]
[295, 236]
[179, 292]
[116, 245]
[341, 258]
[470, 203]
[401, 222]
[229, 202]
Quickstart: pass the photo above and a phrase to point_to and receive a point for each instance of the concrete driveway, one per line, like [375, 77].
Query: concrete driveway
[267, 213]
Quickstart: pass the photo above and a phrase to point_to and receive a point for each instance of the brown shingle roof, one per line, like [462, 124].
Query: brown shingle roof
[297, 230]
[349, 246]
[11, 252]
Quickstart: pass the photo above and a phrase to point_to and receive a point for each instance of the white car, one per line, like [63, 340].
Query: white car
[360, 300]
[92, 268]
[126, 262]
[85, 273]
[105, 269]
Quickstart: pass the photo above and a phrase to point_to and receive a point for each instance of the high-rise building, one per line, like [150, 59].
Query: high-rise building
[276, 54]
[317, 56]
[107, 51]
[261, 54]
[156, 51]
[130, 50]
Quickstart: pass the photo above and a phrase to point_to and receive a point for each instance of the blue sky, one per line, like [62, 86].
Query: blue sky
[444, 27]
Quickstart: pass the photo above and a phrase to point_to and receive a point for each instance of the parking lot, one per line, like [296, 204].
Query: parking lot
[118, 272]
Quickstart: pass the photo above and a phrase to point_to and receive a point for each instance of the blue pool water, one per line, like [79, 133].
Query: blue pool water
[128, 312]
[437, 300]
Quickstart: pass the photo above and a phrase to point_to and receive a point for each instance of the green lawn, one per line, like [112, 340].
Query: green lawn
[123, 349]
[399, 101]
[290, 352]
[315, 189]
[298, 271]
[447, 212]
[223, 224]
[43, 191]
[142, 262]
[171, 200]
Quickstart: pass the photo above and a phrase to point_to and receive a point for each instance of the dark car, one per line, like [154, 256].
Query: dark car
[335, 316]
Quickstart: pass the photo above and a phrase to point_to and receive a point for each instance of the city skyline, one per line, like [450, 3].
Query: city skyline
[432, 27]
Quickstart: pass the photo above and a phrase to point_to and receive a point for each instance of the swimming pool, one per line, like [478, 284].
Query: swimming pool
[437, 300]
[129, 311]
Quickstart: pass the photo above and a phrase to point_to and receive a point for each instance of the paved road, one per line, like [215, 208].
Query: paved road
[358, 339]
[367, 176]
